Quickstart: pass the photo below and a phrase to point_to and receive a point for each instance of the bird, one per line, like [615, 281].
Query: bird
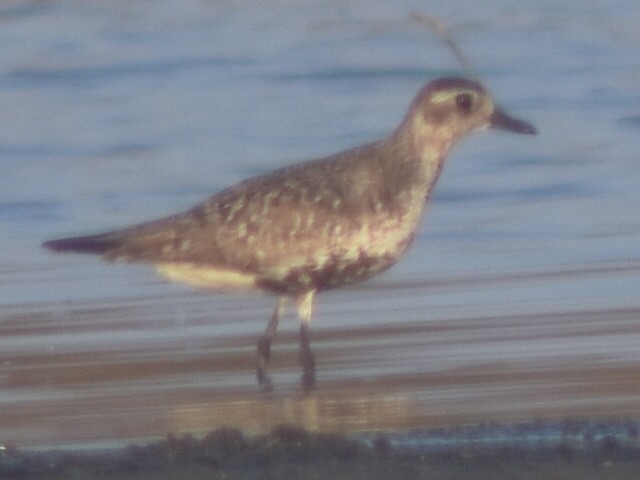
[314, 225]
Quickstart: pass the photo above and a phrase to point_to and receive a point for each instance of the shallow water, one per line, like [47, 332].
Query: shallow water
[517, 301]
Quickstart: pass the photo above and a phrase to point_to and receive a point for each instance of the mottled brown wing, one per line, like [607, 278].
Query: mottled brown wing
[259, 224]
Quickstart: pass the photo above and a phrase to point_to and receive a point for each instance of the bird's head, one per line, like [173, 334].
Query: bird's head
[451, 107]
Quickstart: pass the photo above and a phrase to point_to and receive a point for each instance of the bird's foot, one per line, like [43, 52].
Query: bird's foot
[308, 382]
[264, 353]
[264, 380]
[308, 379]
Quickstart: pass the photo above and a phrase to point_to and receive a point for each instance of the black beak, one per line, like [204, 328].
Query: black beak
[502, 121]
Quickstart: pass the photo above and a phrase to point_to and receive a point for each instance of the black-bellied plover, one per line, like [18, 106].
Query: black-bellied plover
[315, 225]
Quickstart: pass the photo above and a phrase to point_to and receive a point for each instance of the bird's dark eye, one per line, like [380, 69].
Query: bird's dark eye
[464, 102]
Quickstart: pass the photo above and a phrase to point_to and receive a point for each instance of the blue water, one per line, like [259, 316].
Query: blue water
[118, 112]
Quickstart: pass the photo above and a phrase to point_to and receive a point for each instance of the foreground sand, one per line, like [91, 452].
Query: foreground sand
[583, 451]
[115, 372]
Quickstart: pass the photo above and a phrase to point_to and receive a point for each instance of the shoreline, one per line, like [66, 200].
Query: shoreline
[569, 449]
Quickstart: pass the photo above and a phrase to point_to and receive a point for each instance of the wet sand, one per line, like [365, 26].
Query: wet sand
[81, 380]
[125, 370]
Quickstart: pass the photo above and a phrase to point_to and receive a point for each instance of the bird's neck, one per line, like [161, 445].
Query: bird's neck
[426, 148]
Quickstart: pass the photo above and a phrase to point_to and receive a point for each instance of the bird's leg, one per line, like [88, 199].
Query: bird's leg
[307, 360]
[264, 347]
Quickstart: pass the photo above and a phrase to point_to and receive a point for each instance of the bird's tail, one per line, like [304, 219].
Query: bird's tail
[146, 242]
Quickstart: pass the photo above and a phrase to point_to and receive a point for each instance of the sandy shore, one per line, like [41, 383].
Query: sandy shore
[569, 450]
